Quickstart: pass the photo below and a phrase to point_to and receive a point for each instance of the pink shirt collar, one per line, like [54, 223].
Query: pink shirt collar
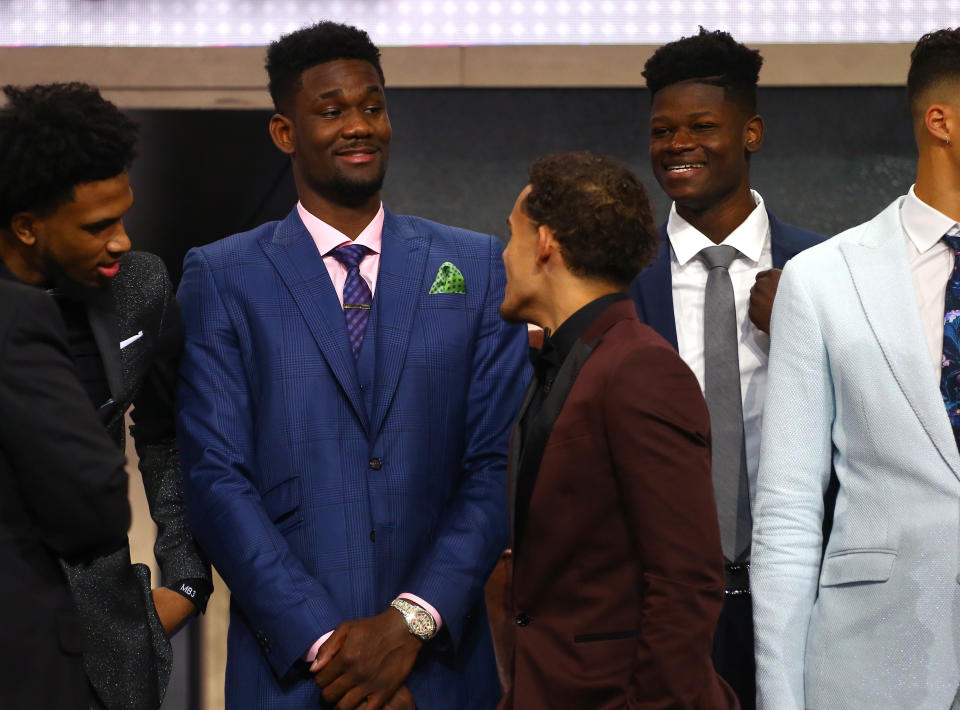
[327, 238]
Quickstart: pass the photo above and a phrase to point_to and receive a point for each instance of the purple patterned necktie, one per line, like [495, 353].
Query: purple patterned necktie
[356, 294]
[950, 362]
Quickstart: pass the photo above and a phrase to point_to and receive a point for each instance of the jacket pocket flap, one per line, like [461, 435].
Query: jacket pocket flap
[857, 566]
[282, 499]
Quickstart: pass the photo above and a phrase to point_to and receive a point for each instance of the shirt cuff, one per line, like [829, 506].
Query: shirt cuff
[426, 605]
[311, 655]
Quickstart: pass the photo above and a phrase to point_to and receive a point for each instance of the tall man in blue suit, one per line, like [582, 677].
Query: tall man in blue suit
[347, 393]
[710, 290]
[865, 375]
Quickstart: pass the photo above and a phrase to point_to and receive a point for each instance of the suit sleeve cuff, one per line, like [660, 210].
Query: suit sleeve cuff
[426, 605]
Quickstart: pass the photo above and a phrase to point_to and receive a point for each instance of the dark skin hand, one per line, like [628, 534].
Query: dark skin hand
[761, 298]
[173, 609]
[365, 662]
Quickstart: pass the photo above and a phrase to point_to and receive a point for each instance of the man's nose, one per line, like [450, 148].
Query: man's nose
[357, 125]
[119, 242]
[682, 140]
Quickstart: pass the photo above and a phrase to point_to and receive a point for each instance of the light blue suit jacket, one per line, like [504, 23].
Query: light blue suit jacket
[874, 621]
[319, 502]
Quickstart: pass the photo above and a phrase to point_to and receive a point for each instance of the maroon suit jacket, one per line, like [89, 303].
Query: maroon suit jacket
[618, 574]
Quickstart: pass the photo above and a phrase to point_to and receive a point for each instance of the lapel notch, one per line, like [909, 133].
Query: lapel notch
[403, 258]
[881, 276]
[294, 255]
[656, 293]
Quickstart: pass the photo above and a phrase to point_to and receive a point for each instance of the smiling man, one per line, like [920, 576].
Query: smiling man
[710, 290]
[346, 397]
[64, 189]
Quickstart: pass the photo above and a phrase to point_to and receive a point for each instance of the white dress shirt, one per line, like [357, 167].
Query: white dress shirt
[752, 240]
[931, 263]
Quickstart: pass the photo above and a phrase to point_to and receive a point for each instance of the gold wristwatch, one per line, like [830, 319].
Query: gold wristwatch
[420, 622]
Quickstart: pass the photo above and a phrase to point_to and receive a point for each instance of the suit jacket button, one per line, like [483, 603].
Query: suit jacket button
[523, 619]
[376, 464]
[373, 536]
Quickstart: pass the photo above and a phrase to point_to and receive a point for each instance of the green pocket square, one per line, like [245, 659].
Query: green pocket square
[449, 280]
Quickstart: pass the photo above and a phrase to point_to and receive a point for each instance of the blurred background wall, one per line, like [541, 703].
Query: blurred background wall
[476, 90]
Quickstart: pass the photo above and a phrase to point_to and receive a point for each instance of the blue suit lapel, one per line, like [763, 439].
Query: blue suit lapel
[786, 242]
[654, 293]
[403, 257]
[294, 255]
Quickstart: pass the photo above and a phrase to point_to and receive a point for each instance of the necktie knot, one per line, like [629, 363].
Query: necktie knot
[952, 239]
[350, 255]
[720, 256]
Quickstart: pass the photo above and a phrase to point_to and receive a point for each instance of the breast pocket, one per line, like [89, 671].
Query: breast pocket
[445, 300]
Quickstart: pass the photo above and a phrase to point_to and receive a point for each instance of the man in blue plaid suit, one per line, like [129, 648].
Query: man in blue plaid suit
[347, 391]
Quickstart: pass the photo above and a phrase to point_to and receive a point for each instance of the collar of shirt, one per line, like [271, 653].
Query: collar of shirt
[924, 225]
[328, 238]
[748, 238]
[556, 346]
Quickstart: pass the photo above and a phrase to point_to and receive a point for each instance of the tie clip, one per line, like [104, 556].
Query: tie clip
[361, 306]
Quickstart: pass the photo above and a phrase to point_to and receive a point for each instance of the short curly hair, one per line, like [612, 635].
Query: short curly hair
[599, 212]
[54, 137]
[294, 53]
[935, 57]
[714, 58]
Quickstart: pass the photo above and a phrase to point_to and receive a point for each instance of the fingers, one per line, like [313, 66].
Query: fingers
[330, 648]
[401, 700]
[336, 668]
[353, 699]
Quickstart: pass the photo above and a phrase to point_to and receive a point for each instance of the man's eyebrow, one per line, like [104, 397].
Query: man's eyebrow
[100, 225]
[372, 89]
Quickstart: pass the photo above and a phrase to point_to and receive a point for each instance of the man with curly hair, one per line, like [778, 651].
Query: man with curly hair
[64, 189]
[346, 398]
[618, 573]
[865, 376]
[710, 290]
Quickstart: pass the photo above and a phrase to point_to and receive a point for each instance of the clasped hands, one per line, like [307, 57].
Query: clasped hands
[364, 664]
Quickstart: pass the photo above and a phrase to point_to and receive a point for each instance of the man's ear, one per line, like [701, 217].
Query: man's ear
[281, 131]
[753, 134]
[23, 227]
[547, 245]
[937, 120]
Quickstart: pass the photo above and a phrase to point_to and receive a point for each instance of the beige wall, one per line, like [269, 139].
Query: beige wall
[233, 77]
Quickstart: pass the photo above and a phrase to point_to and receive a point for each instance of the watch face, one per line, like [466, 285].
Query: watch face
[423, 624]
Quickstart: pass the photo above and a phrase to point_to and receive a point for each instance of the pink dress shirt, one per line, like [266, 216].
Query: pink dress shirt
[327, 239]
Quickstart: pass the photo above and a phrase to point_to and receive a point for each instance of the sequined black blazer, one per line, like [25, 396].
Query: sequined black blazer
[136, 324]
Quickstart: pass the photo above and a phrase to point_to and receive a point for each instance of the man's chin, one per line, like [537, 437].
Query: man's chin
[357, 191]
[510, 313]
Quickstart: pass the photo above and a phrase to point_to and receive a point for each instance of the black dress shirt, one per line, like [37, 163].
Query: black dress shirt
[546, 365]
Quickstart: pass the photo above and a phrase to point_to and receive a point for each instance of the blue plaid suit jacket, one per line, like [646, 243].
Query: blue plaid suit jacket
[277, 446]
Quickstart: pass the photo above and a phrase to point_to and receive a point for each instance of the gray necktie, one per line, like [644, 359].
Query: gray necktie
[722, 386]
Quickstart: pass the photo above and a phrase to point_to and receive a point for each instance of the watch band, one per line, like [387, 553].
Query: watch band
[420, 622]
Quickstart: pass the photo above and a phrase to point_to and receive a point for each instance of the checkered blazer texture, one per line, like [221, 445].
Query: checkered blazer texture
[315, 510]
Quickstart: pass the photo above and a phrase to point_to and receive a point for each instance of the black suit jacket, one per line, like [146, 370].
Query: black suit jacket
[136, 324]
[63, 494]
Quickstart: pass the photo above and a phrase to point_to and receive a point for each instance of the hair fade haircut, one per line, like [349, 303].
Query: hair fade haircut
[599, 212]
[294, 53]
[54, 137]
[935, 58]
[711, 57]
